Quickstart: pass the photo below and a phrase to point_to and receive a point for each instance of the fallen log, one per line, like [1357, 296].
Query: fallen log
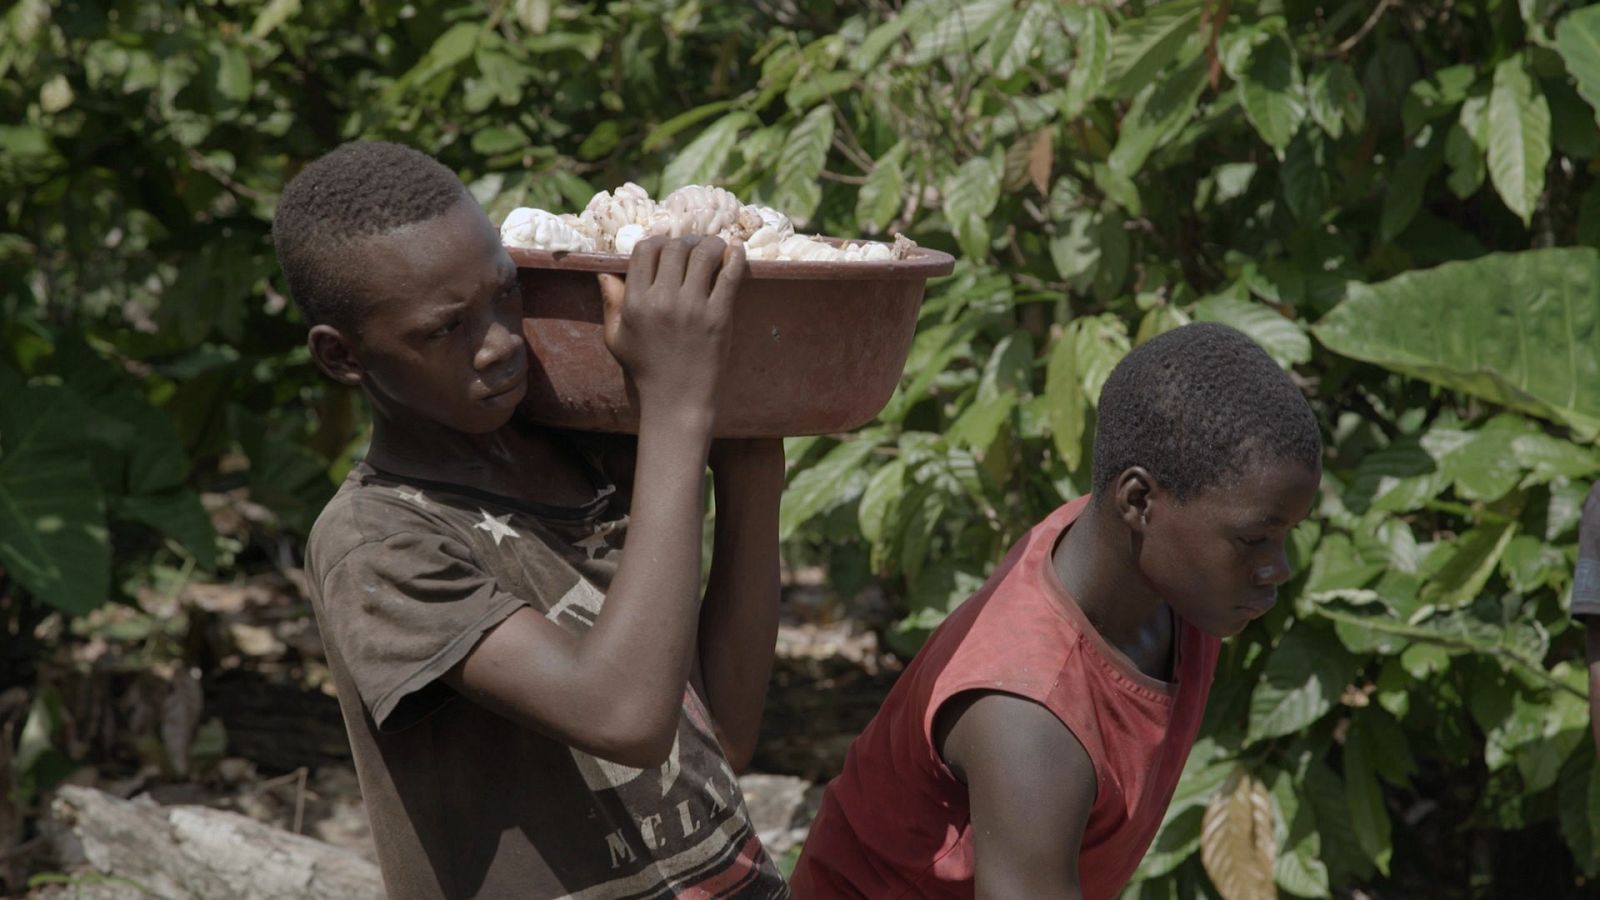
[195, 852]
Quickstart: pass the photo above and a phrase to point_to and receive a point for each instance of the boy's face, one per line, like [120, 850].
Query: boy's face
[440, 333]
[1218, 558]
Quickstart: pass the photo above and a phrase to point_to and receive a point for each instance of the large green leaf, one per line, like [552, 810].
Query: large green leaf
[52, 514]
[1271, 92]
[800, 163]
[969, 196]
[702, 160]
[1156, 115]
[1520, 329]
[1368, 817]
[1064, 394]
[1091, 55]
[881, 197]
[1013, 43]
[285, 477]
[955, 29]
[1283, 338]
[1578, 40]
[824, 484]
[1142, 47]
[1335, 100]
[1519, 138]
[1304, 676]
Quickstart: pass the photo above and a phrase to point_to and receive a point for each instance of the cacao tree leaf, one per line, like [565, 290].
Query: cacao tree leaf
[1144, 46]
[969, 197]
[881, 197]
[272, 15]
[1064, 394]
[1466, 162]
[1101, 342]
[882, 37]
[1463, 577]
[1578, 42]
[1436, 96]
[1305, 674]
[1369, 819]
[1270, 91]
[1521, 329]
[702, 159]
[1579, 797]
[284, 476]
[1156, 115]
[1013, 42]
[1335, 100]
[52, 512]
[877, 500]
[662, 134]
[1091, 56]
[1299, 868]
[824, 484]
[1519, 138]
[1403, 196]
[1284, 339]
[800, 164]
[955, 29]
[1341, 849]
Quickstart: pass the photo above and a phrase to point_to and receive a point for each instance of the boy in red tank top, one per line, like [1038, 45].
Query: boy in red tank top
[1031, 748]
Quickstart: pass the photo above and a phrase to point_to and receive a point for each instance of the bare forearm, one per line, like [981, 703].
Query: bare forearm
[739, 620]
[644, 639]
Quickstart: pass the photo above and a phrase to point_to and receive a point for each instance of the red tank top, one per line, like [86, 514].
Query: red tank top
[895, 823]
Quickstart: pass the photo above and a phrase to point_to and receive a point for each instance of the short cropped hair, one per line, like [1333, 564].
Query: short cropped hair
[357, 191]
[1196, 406]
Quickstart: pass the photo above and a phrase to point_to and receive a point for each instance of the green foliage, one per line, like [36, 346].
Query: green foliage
[1329, 178]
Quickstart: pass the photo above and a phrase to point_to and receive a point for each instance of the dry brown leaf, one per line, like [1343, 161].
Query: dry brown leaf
[180, 714]
[1237, 846]
[1040, 158]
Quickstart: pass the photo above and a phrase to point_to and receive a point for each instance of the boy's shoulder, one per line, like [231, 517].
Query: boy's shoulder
[365, 509]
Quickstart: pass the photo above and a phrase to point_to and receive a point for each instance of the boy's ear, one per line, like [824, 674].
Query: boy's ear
[334, 355]
[1132, 492]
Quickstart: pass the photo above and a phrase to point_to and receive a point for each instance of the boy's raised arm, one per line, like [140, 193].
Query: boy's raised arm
[739, 620]
[1030, 786]
[617, 690]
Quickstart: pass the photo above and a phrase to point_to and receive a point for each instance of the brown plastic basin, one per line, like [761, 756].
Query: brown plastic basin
[817, 346]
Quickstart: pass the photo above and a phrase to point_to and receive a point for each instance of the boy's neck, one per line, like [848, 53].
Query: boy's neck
[1095, 562]
[524, 463]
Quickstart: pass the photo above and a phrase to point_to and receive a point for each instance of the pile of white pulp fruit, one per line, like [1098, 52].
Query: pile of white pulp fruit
[614, 222]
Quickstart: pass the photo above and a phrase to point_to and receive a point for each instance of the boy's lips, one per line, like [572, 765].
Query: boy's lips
[1260, 608]
[507, 386]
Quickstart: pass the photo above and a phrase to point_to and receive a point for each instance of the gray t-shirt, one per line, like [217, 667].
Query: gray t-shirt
[406, 576]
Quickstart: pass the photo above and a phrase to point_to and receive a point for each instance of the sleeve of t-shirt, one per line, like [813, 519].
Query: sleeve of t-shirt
[402, 611]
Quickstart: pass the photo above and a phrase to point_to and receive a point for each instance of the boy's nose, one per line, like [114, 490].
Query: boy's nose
[499, 344]
[1276, 572]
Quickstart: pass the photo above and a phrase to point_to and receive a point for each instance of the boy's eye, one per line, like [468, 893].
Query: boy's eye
[1252, 541]
[444, 329]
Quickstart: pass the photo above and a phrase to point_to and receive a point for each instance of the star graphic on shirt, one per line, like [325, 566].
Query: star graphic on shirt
[415, 496]
[496, 526]
[596, 543]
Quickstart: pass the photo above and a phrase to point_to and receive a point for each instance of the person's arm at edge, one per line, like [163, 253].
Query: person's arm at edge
[1586, 598]
[1030, 788]
[739, 617]
[1593, 657]
[616, 691]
